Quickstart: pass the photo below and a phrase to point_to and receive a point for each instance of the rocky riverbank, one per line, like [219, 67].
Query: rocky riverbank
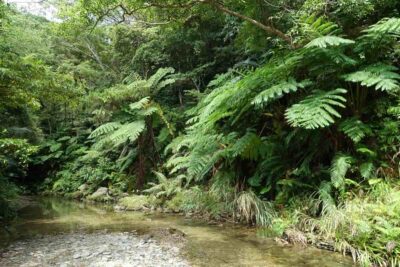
[92, 249]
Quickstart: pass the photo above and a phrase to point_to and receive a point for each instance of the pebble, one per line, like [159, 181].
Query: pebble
[92, 250]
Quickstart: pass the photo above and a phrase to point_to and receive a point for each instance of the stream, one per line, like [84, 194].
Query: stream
[58, 232]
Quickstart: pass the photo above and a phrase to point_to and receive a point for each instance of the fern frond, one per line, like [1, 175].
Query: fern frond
[382, 77]
[316, 110]
[278, 90]
[329, 40]
[355, 129]
[105, 129]
[386, 25]
[319, 26]
[129, 131]
[154, 82]
[248, 147]
[140, 104]
[340, 165]
[367, 170]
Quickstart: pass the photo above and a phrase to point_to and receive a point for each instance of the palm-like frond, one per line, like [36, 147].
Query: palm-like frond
[316, 110]
[387, 25]
[355, 129]
[382, 77]
[278, 90]
[329, 40]
[340, 165]
[105, 129]
[129, 131]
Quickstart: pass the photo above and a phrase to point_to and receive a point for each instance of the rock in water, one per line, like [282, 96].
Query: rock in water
[102, 194]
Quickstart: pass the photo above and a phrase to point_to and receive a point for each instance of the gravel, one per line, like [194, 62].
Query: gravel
[92, 249]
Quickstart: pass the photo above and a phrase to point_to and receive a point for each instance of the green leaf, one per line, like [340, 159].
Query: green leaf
[105, 129]
[340, 165]
[316, 110]
[277, 91]
[366, 170]
[355, 129]
[382, 77]
[329, 40]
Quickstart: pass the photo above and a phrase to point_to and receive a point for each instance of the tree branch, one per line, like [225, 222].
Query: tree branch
[267, 28]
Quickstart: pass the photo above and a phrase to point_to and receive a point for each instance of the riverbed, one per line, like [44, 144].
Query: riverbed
[58, 232]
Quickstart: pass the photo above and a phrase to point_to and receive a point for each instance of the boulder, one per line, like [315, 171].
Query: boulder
[102, 194]
[83, 187]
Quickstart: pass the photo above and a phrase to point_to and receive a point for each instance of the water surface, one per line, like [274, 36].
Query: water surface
[207, 245]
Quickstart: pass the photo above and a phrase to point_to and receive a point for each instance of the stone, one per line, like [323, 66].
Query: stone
[83, 187]
[100, 194]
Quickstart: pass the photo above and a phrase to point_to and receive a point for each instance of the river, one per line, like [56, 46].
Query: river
[201, 244]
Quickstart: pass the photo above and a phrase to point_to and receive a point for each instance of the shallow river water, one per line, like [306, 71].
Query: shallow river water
[205, 245]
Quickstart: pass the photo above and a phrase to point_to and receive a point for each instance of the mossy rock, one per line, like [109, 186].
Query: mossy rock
[138, 202]
[102, 194]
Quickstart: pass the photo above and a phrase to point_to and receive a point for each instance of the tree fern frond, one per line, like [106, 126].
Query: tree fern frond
[278, 90]
[129, 131]
[140, 104]
[319, 26]
[329, 40]
[355, 129]
[367, 170]
[154, 81]
[105, 129]
[386, 25]
[248, 147]
[316, 110]
[382, 77]
[340, 165]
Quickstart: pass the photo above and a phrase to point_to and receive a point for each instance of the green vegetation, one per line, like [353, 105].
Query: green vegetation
[281, 114]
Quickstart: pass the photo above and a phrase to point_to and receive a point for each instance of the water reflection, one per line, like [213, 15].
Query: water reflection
[206, 245]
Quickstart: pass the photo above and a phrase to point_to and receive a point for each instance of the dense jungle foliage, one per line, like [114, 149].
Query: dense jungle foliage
[281, 114]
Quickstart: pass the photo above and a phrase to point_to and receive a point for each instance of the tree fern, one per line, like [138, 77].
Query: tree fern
[326, 41]
[382, 77]
[355, 129]
[278, 90]
[316, 110]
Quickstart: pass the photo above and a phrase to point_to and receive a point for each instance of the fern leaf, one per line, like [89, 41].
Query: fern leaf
[329, 40]
[316, 110]
[247, 147]
[140, 104]
[105, 129]
[340, 165]
[367, 169]
[277, 91]
[129, 131]
[355, 129]
[382, 77]
[387, 25]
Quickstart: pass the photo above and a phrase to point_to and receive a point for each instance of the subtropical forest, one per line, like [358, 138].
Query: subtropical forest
[284, 115]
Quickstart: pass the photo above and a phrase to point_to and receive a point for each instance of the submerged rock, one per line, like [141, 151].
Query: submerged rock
[95, 249]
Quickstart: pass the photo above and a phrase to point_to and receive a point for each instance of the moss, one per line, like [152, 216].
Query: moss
[139, 202]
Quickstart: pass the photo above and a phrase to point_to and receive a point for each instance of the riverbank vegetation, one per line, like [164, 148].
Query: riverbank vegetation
[281, 114]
